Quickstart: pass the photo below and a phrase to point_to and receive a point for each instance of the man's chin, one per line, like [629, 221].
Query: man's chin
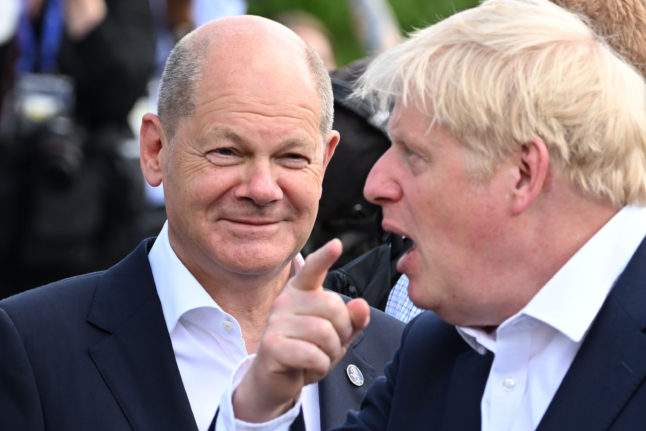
[259, 261]
[417, 295]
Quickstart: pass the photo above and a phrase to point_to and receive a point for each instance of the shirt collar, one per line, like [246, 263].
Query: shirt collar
[178, 290]
[571, 299]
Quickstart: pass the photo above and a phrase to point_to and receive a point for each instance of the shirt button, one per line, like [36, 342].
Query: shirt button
[227, 325]
[509, 384]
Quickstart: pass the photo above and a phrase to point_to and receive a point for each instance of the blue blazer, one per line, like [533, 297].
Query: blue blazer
[93, 353]
[436, 380]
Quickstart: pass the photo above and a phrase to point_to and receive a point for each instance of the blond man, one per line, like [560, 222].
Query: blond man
[518, 169]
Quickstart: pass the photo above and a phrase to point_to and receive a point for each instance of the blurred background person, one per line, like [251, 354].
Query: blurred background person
[311, 30]
[76, 192]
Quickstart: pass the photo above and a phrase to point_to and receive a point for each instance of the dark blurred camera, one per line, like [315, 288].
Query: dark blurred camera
[57, 146]
[45, 129]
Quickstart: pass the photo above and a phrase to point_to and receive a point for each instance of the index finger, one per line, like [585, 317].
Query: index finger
[317, 264]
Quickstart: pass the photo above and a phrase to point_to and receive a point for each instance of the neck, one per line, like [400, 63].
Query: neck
[249, 299]
[558, 233]
[540, 242]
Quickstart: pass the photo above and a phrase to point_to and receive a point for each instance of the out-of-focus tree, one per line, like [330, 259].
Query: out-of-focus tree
[337, 16]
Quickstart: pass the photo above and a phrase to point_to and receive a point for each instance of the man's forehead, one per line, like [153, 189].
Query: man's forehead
[262, 72]
[255, 87]
[406, 120]
[263, 103]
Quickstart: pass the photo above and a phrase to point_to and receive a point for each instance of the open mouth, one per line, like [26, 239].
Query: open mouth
[409, 246]
[408, 243]
[405, 258]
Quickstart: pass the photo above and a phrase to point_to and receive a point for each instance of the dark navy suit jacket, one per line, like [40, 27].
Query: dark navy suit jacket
[93, 353]
[436, 380]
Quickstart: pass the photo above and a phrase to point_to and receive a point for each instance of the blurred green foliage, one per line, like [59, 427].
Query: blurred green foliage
[335, 14]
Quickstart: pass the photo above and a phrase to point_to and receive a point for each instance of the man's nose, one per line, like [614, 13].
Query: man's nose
[381, 186]
[260, 183]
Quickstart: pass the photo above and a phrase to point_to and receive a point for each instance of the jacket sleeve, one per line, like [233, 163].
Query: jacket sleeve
[20, 407]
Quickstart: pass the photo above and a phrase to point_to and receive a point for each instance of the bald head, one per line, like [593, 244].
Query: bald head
[241, 51]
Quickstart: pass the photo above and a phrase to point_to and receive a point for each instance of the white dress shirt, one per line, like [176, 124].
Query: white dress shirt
[534, 348]
[207, 341]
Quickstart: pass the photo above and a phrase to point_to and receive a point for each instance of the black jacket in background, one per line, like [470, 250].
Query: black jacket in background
[371, 275]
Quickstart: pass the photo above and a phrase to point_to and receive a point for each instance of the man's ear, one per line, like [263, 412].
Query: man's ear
[532, 165]
[152, 145]
[332, 141]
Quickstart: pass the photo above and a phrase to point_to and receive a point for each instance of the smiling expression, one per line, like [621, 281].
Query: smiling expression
[242, 176]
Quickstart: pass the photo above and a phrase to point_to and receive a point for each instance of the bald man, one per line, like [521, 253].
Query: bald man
[240, 143]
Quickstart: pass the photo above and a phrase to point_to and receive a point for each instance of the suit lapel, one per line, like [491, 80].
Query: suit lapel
[136, 358]
[337, 393]
[465, 388]
[610, 365]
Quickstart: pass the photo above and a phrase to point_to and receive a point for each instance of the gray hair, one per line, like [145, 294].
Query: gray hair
[182, 72]
[324, 90]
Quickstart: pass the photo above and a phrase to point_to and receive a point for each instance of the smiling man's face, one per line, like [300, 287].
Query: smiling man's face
[242, 177]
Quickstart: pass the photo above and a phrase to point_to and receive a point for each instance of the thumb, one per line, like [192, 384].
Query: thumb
[312, 274]
[359, 311]
[359, 315]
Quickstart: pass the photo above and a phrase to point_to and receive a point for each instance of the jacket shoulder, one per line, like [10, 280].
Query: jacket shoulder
[385, 324]
[68, 300]
[61, 298]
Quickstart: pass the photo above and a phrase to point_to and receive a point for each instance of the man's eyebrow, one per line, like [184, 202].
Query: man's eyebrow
[297, 142]
[231, 135]
[224, 132]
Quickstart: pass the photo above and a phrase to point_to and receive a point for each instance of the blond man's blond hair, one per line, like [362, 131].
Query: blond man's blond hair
[509, 71]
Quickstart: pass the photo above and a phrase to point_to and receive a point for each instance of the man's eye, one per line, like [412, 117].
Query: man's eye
[295, 156]
[223, 156]
[405, 151]
[410, 153]
[295, 160]
[224, 151]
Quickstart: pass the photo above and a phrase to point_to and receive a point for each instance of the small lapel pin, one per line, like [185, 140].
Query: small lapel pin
[354, 375]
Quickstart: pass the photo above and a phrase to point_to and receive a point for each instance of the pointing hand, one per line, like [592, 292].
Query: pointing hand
[308, 332]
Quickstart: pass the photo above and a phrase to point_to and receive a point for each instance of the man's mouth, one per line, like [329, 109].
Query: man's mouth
[404, 260]
[409, 246]
[254, 222]
[408, 243]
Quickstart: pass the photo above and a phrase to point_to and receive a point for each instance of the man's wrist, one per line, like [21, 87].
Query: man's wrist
[227, 421]
[251, 404]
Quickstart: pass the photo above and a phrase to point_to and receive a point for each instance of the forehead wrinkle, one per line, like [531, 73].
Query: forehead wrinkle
[251, 103]
[300, 117]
